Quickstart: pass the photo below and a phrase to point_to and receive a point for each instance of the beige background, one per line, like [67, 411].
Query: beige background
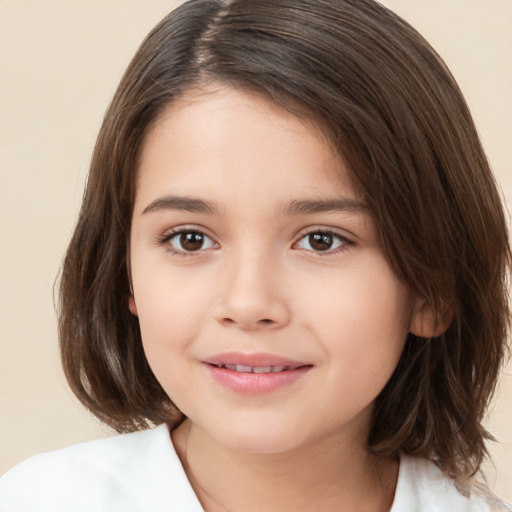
[60, 61]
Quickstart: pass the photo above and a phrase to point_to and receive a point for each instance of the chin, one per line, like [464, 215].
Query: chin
[261, 438]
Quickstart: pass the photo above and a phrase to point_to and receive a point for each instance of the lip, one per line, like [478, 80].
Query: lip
[255, 383]
[256, 359]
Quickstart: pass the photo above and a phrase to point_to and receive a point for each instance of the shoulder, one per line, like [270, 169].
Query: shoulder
[131, 472]
[422, 487]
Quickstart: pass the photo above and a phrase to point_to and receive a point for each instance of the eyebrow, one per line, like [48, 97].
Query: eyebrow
[295, 207]
[302, 207]
[178, 203]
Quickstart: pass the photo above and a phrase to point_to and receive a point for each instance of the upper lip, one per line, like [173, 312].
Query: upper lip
[260, 359]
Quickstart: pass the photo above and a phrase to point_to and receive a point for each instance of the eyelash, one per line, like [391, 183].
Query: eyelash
[165, 240]
[345, 242]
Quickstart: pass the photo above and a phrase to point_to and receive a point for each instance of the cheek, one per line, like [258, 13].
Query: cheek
[362, 303]
[169, 299]
[362, 320]
[171, 309]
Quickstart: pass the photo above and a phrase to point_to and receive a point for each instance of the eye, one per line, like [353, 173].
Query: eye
[322, 241]
[186, 241]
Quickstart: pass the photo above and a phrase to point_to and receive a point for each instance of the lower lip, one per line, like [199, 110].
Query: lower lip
[255, 383]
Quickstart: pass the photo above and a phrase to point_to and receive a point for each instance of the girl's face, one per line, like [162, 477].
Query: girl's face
[267, 310]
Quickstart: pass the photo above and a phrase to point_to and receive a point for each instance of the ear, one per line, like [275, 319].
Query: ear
[132, 306]
[424, 321]
[131, 299]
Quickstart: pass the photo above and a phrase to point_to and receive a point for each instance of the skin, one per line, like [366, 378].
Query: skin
[255, 283]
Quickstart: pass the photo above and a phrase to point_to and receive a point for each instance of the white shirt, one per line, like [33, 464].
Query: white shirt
[141, 472]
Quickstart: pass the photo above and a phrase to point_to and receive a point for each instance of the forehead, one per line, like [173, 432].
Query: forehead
[221, 140]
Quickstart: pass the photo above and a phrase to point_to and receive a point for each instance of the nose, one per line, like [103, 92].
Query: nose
[252, 294]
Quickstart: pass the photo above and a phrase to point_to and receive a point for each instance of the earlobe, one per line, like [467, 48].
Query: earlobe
[132, 306]
[425, 323]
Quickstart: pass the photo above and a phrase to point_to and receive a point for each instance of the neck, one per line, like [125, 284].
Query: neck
[325, 475]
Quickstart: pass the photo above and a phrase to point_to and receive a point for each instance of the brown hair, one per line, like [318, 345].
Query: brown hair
[397, 117]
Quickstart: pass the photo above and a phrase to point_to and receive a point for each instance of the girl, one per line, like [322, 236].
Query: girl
[290, 259]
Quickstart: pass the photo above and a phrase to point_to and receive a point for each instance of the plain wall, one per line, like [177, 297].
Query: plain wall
[60, 62]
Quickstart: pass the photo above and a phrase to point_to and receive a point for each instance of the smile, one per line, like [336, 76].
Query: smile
[255, 369]
[255, 374]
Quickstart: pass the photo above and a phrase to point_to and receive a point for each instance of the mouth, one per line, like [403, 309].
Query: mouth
[255, 374]
[241, 368]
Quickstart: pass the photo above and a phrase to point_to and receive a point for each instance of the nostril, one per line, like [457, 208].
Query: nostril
[263, 321]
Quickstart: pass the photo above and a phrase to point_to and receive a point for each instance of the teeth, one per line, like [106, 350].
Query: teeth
[263, 369]
[242, 368]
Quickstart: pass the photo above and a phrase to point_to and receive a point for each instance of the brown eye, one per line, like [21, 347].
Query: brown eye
[190, 241]
[322, 241]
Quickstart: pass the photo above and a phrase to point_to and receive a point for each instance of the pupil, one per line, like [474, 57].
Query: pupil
[191, 241]
[320, 241]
